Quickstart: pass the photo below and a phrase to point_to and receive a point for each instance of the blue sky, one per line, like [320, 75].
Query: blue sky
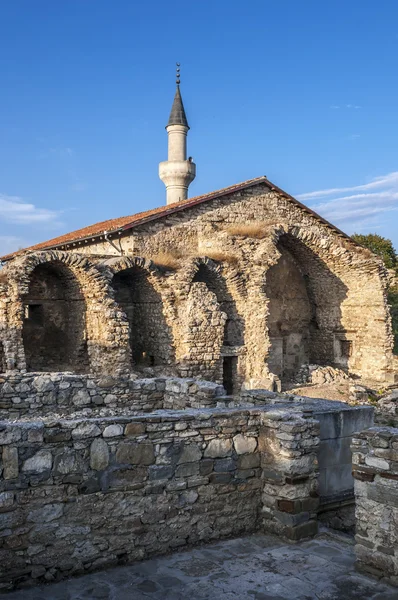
[303, 92]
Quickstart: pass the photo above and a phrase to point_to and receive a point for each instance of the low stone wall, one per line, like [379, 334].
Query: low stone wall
[375, 468]
[77, 495]
[41, 394]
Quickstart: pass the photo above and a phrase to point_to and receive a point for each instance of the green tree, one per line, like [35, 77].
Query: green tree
[380, 246]
[385, 249]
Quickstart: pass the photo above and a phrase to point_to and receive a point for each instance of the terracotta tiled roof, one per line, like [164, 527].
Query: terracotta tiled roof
[124, 223]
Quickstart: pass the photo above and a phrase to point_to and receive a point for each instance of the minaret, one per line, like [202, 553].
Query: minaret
[177, 172]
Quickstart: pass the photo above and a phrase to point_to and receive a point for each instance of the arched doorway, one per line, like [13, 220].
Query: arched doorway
[305, 316]
[289, 318]
[54, 332]
[233, 335]
[150, 336]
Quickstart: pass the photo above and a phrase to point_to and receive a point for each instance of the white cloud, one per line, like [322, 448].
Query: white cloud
[356, 206]
[18, 212]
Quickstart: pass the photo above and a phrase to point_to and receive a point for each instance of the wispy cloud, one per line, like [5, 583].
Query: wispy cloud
[15, 210]
[345, 106]
[356, 206]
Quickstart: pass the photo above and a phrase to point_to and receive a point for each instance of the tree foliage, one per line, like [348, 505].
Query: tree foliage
[384, 248]
[380, 246]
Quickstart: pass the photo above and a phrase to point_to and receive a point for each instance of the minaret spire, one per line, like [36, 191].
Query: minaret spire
[177, 172]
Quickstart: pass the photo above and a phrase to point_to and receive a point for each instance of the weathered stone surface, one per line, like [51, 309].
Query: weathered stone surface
[190, 453]
[244, 444]
[376, 497]
[218, 448]
[6, 501]
[134, 429]
[10, 462]
[46, 514]
[86, 430]
[81, 398]
[113, 431]
[99, 454]
[378, 463]
[135, 453]
[39, 462]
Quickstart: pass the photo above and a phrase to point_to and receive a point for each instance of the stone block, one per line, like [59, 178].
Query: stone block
[223, 465]
[46, 513]
[99, 454]
[383, 494]
[302, 531]
[39, 463]
[160, 472]
[133, 429]
[135, 453]
[187, 470]
[190, 453]
[218, 448]
[86, 430]
[10, 435]
[244, 444]
[377, 463]
[220, 477]
[112, 431]
[249, 461]
[6, 501]
[206, 466]
[10, 462]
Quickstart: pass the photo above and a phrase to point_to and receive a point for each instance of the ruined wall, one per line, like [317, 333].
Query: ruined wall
[79, 495]
[349, 324]
[375, 468]
[38, 395]
[98, 326]
[86, 492]
[290, 316]
[54, 330]
[151, 339]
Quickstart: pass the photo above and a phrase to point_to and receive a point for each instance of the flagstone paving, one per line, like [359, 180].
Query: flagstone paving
[256, 567]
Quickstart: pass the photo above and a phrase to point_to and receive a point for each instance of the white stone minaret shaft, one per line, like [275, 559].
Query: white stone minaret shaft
[177, 172]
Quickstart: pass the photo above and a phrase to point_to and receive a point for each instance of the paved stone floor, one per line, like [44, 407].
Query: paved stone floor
[256, 567]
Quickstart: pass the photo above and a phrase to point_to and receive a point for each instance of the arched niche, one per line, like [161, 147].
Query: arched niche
[305, 317]
[233, 334]
[151, 339]
[54, 326]
[215, 282]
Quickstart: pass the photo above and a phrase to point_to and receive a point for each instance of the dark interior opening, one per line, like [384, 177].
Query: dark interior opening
[230, 367]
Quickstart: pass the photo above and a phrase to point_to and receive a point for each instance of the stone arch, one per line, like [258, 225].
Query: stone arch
[304, 307]
[215, 326]
[107, 343]
[54, 327]
[143, 300]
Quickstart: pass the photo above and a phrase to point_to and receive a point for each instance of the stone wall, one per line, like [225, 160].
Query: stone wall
[375, 468]
[79, 495]
[62, 394]
[210, 295]
[82, 493]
